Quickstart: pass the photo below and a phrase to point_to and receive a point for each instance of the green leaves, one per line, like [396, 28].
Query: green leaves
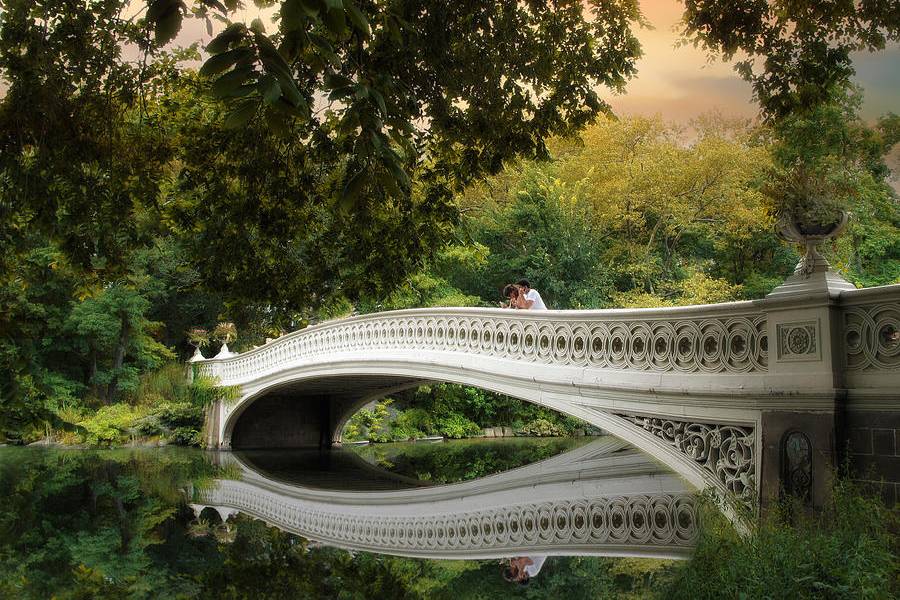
[352, 189]
[357, 18]
[334, 18]
[241, 115]
[220, 62]
[295, 15]
[799, 52]
[221, 42]
[230, 83]
[165, 17]
[269, 88]
[273, 84]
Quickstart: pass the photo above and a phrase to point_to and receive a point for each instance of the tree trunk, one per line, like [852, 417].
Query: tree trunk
[92, 377]
[118, 360]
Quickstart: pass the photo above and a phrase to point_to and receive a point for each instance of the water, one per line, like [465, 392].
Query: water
[404, 465]
[137, 523]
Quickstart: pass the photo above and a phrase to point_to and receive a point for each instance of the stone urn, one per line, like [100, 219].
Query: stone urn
[812, 272]
[811, 236]
[198, 356]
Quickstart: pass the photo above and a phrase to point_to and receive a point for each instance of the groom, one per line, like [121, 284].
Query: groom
[530, 297]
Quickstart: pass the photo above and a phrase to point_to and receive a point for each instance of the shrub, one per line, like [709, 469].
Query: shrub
[400, 434]
[848, 550]
[180, 422]
[186, 436]
[166, 384]
[457, 426]
[181, 414]
[415, 419]
[112, 424]
[543, 428]
[371, 424]
[169, 384]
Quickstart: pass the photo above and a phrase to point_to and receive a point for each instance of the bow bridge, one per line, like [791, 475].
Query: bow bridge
[745, 397]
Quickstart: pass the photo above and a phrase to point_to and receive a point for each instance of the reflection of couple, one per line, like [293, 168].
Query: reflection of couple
[522, 568]
[522, 295]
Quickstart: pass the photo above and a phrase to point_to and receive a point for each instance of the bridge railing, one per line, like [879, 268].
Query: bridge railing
[871, 336]
[727, 338]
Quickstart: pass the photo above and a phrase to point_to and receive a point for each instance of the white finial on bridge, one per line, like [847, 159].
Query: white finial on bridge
[224, 352]
[198, 356]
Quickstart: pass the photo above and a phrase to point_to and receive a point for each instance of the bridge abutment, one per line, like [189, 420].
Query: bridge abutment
[799, 455]
[799, 441]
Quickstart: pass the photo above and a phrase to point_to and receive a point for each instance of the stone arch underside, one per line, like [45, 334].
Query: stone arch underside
[708, 453]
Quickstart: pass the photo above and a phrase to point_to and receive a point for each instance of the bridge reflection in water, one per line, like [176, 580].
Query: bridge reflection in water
[604, 498]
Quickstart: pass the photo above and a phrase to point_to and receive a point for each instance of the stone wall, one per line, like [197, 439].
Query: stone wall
[874, 451]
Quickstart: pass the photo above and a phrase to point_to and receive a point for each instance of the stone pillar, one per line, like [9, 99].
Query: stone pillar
[212, 422]
[801, 436]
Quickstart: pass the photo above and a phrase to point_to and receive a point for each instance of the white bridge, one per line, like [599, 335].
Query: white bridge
[601, 499]
[743, 397]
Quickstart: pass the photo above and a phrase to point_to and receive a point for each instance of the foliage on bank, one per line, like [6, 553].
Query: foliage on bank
[134, 208]
[454, 411]
[457, 461]
[639, 212]
[164, 408]
[848, 550]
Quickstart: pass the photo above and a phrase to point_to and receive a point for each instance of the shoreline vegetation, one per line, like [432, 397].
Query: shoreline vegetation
[165, 409]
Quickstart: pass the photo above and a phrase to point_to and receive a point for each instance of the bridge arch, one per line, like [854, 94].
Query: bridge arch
[362, 381]
[599, 499]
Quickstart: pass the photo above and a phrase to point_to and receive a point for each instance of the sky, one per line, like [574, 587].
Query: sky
[680, 83]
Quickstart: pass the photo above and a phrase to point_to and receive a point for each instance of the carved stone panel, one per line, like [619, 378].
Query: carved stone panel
[799, 341]
[796, 465]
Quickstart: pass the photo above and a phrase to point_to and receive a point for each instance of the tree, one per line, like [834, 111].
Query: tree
[449, 90]
[357, 190]
[110, 328]
[630, 213]
[827, 159]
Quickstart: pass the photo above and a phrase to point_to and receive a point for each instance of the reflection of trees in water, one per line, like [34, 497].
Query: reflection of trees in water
[116, 524]
[464, 460]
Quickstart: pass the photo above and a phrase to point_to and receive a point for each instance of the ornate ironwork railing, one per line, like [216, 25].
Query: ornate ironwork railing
[726, 338]
[871, 329]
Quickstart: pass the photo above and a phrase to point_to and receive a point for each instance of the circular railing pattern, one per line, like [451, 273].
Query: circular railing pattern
[736, 344]
[872, 337]
[663, 520]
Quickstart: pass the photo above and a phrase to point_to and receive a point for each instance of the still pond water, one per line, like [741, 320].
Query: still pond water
[148, 523]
